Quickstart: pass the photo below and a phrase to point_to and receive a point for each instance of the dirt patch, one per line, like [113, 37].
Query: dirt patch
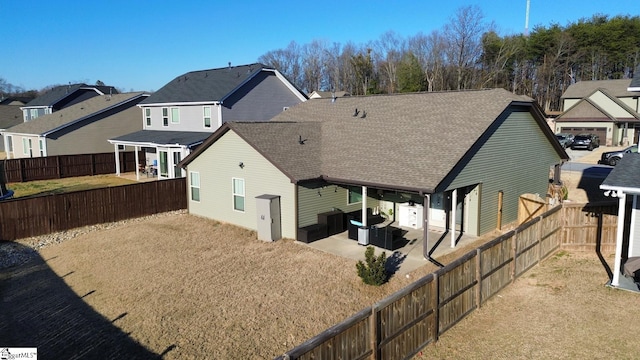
[559, 309]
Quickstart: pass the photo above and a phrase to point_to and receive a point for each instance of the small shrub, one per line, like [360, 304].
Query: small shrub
[372, 271]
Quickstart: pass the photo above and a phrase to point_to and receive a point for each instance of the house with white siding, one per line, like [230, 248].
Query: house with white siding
[623, 184]
[452, 160]
[183, 113]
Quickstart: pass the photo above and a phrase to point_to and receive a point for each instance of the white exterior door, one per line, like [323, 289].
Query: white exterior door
[438, 213]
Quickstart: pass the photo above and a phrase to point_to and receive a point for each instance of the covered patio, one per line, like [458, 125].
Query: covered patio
[404, 259]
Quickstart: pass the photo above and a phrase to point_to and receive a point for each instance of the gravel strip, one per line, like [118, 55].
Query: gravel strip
[13, 253]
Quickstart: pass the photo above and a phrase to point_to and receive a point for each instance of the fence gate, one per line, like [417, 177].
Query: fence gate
[530, 206]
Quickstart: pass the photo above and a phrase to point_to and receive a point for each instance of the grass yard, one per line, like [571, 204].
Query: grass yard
[194, 288]
[56, 186]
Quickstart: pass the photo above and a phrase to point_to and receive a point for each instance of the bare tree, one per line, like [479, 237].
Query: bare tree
[287, 61]
[463, 33]
[388, 51]
[314, 66]
[429, 50]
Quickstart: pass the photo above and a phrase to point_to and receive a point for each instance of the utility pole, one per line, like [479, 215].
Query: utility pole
[526, 20]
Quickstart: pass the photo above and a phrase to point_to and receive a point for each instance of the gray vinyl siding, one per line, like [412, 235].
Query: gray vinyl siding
[191, 118]
[515, 159]
[260, 99]
[219, 164]
[314, 199]
[90, 136]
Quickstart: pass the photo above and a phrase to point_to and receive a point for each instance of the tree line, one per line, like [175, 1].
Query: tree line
[469, 53]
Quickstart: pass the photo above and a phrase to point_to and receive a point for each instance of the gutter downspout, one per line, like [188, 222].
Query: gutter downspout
[425, 228]
[619, 234]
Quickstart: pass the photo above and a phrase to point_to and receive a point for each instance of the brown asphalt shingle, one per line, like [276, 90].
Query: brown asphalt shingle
[617, 88]
[407, 140]
[70, 114]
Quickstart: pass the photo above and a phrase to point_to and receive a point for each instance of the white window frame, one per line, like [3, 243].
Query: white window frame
[205, 117]
[41, 147]
[9, 145]
[165, 117]
[33, 114]
[238, 194]
[194, 183]
[175, 115]
[147, 117]
[27, 146]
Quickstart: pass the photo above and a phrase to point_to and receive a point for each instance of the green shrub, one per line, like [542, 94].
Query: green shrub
[373, 271]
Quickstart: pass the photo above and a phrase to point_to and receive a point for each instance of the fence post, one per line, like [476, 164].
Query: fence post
[21, 168]
[373, 330]
[514, 254]
[436, 313]
[58, 166]
[93, 164]
[478, 278]
[539, 231]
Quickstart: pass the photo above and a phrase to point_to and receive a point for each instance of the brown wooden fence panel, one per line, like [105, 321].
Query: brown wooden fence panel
[583, 222]
[406, 320]
[26, 217]
[550, 232]
[62, 166]
[348, 340]
[495, 269]
[456, 293]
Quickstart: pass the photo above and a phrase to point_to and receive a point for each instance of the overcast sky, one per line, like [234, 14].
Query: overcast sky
[142, 45]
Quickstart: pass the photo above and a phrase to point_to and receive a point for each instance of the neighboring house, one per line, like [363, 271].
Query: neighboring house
[15, 101]
[607, 108]
[61, 97]
[623, 183]
[457, 153]
[328, 94]
[10, 115]
[184, 112]
[79, 129]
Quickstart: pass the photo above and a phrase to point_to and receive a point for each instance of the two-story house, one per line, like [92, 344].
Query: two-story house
[82, 128]
[61, 97]
[183, 113]
[607, 108]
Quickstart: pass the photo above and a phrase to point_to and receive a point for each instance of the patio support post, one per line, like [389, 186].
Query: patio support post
[425, 229]
[115, 146]
[620, 231]
[137, 164]
[364, 206]
[632, 235]
[454, 201]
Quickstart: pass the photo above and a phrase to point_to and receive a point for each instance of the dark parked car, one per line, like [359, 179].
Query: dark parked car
[612, 157]
[585, 141]
[565, 139]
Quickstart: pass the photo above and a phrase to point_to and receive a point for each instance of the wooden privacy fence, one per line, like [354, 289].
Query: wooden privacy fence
[62, 166]
[589, 227]
[403, 323]
[34, 216]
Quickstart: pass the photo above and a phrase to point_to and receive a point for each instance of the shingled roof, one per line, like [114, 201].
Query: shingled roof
[10, 115]
[625, 175]
[74, 113]
[617, 88]
[404, 141]
[205, 85]
[58, 93]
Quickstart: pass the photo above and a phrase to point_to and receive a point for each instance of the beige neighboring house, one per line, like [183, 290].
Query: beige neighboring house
[82, 128]
[607, 108]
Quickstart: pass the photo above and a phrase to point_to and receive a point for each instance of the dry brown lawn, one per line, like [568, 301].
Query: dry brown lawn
[201, 289]
[558, 310]
[56, 186]
[209, 290]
